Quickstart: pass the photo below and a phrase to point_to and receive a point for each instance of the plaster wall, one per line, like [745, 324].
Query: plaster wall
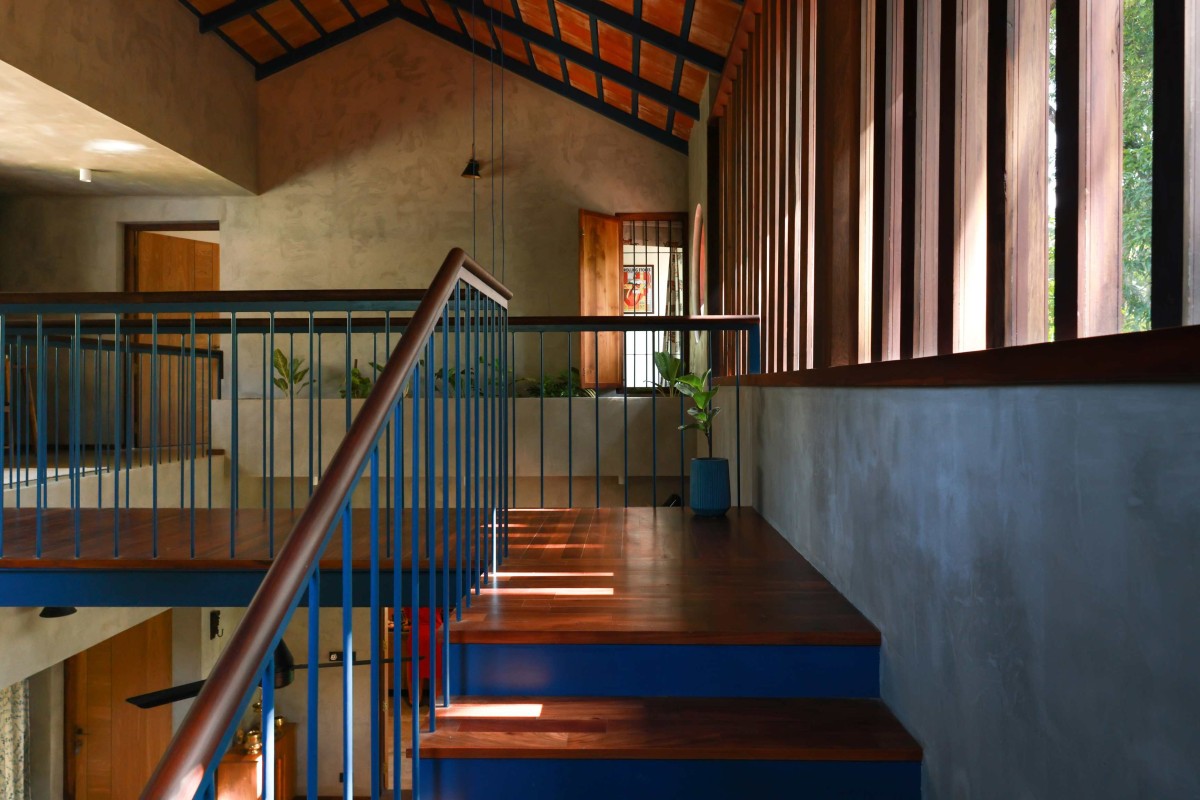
[359, 155]
[1031, 558]
[33, 644]
[142, 63]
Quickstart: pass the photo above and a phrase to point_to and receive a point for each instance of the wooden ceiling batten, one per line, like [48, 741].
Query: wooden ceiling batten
[587, 50]
[737, 49]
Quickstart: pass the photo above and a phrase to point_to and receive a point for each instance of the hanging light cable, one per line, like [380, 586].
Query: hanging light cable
[472, 170]
[492, 129]
[503, 165]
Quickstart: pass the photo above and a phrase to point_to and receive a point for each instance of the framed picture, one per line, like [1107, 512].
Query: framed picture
[636, 289]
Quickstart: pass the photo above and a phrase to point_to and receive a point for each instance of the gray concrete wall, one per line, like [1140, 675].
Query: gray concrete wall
[142, 63]
[1032, 557]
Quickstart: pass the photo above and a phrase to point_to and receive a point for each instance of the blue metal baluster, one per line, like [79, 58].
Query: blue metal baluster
[376, 652]
[431, 530]
[314, 683]
[268, 729]
[542, 419]
[129, 403]
[510, 435]
[19, 411]
[682, 420]
[194, 401]
[183, 405]
[96, 417]
[208, 416]
[414, 649]
[320, 413]
[570, 423]
[118, 415]
[397, 596]
[485, 370]
[468, 444]
[737, 395]
[77, 404]
[234, 449]
[312, 401]
[347, 652]
[387, 440]
[458, 449]
[291, 424]
[41, 439]
[625, 407]
[446, 499]
[269, 389]
[654, 439]
[477, 444]
[349, 372]
[267, 397]
[5, 419]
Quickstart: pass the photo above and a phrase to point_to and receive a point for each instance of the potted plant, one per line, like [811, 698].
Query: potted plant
[709, 489]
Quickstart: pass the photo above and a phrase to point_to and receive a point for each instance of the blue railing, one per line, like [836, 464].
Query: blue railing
[472, 311]
[610, 393]
[415, 462]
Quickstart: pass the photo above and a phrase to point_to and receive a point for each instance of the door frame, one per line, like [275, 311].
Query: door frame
[132, 229]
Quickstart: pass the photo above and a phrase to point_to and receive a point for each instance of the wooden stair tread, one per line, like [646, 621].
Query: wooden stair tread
[657, 576]
[768, 729]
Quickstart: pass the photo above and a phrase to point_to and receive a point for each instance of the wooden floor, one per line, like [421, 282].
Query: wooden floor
[138, 538]
[646, 575]
[571, 576]
[670, 728]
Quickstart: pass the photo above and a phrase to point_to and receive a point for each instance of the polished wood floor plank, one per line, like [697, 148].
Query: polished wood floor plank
[656, 576]
[579, 576]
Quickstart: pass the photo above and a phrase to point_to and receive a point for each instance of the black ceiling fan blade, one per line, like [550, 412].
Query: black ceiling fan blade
[285, 673]
[165, 696]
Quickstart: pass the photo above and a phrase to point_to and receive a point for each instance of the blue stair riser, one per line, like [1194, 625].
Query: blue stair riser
[183, 588]
[653, 670]
[589, 779]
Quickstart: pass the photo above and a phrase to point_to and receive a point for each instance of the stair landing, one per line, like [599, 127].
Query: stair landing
[656, 575]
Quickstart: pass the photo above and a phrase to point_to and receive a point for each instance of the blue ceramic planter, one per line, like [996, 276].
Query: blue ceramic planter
[710, 487]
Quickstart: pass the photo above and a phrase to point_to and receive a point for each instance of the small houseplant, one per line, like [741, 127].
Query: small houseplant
[709, 486]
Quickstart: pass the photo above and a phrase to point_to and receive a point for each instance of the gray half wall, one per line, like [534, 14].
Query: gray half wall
[1030, 556]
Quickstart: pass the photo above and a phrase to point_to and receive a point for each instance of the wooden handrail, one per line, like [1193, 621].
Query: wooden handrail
[194, 746]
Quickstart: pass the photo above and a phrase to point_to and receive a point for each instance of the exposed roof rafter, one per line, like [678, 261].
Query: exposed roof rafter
[635, 26]
[270, 41]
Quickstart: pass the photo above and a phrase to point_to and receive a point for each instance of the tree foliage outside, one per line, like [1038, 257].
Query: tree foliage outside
[1138, 155]
[1139, 162]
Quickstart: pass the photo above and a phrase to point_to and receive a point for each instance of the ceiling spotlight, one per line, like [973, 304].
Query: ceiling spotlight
[54, 612]
[113, 146]
[85, 175]
[472, 170]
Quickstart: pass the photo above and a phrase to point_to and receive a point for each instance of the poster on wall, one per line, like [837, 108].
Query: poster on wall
[636, 290]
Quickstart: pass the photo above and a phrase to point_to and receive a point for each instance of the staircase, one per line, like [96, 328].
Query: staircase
[645, 653]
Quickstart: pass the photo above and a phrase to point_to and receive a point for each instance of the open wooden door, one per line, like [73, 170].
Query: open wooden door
[600, 295]
[165, 263]
[112, 746]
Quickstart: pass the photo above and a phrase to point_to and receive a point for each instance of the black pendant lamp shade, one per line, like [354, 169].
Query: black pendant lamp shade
[472, 170]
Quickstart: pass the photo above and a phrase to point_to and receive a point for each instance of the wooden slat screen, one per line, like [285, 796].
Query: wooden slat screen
[884, 176]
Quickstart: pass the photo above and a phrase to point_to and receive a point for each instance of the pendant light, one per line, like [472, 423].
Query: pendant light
[472, 170]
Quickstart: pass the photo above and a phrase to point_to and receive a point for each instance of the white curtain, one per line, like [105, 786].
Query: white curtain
[14, 742]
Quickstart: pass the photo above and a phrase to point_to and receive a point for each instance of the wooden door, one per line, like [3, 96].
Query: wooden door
[600, 295]
[167, 263]
[112, 746]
